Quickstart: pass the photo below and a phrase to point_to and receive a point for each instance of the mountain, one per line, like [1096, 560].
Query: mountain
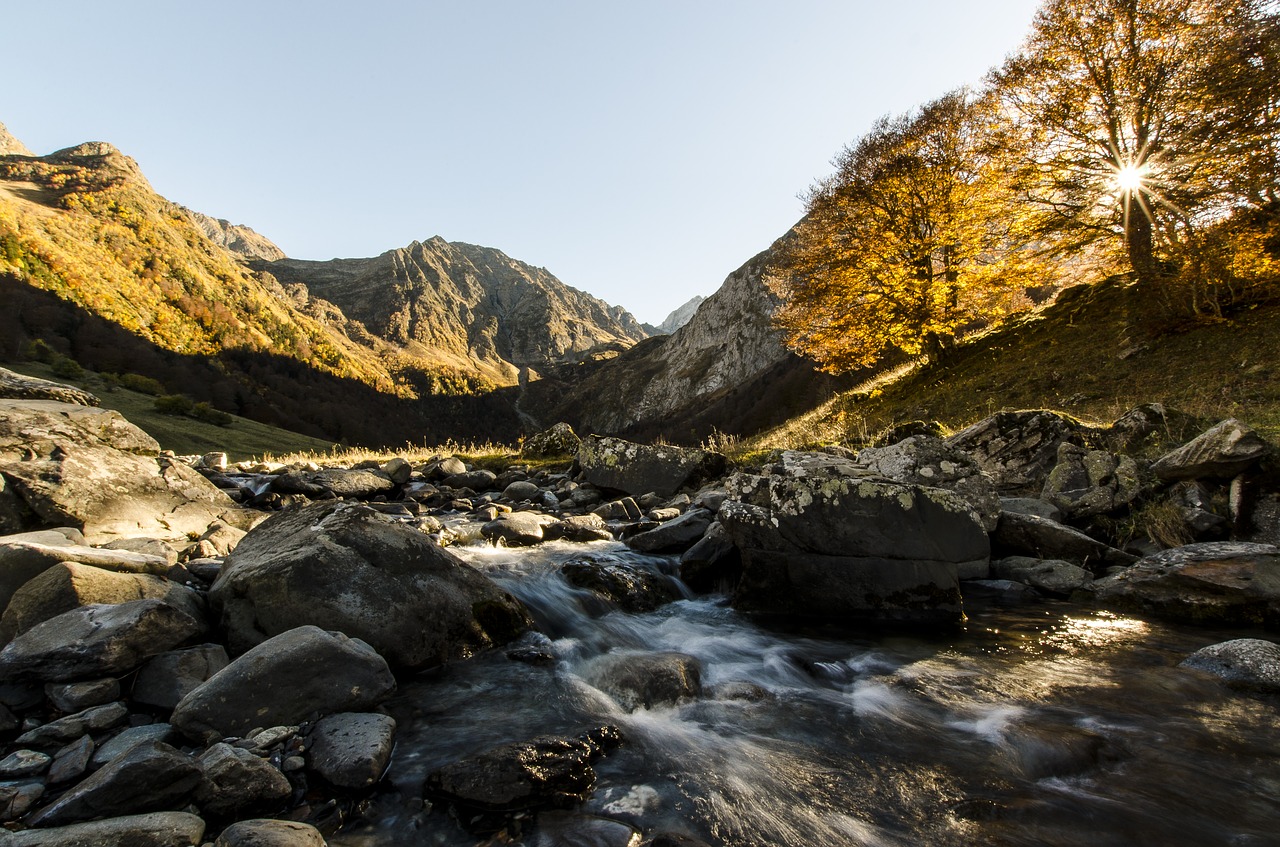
[237, 239]
[680, 316]
[10, 146]
[469, 306]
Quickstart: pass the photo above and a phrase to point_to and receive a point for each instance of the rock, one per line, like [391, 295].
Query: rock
[168, 677]
[1219, 453]
[516, 529]
[1017, 449]
[95, 641]
[353, 483]
[580, 528]
[626, 509]
[930, 461]
[270, 833]
[23, 763]
[451, 466]
[521, 490]
[292, 677]
[559, 440]
[1085, 483]
[555, 829]
[1248, 663]
[348, 568]
[71, 761]
[158, 829]
[117, 746]
[56, 733]
[1215, 583]
[150, 777]
[78, 696]
[630, 588]
[145, 546]
[999, 590]
[16, 386]
[218, 540]
[93, 470]
[647, 680]
[611, 463]
[398, 470]
[1031, 506]
[713, 564]
[477, 480]
[1137, 428]
[352, 750]
[674, 536]
[1051, 576]
[22, 561]
[1028, 535]
[17, 798]
[69, 586]
[238, 783]
[1195, 504]
[820, 543]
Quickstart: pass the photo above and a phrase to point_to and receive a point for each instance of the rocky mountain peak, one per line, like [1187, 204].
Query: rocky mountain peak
[240, 240]
[680, 316]
[104, 158]
[10, 145]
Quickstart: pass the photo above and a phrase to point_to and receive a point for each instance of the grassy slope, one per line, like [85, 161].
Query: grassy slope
[1097, 352]
[243, 439]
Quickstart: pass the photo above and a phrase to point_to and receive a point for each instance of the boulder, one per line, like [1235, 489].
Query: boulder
[348, 568]
[351, 750]
[95, 641]
[521, 489]
[517, 529]
[16, 386]
[477, 480]
[1248, 663]
[1216, 583]
[237, 783]
[713, 564]
[120, 744]
[398, 470]
[69, 586]
[158, 829]
[581, 528]
[646, 680]
[1219, 453]
[1142, 426]
[618, 465]
[559, 440]
[1018, 449]
[1029, 535]
[90, 468]
[168, 677]
[1085, 483]
[150, 777]
[23, 560]
[629, 587]
[357, 483]
[930, 461]
[296, 676]
[97, 719]
[78, 696]
[1052, 576]
[673, 536]
[270, 833]
[218, 540]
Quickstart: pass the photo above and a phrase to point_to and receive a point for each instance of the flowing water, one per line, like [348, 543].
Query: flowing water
[1042, 724]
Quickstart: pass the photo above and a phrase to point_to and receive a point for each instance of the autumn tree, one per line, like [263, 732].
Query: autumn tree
[907, 244]
[1143, 121]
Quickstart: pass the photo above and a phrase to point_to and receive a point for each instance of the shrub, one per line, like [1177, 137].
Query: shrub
[66, 367]
[142, 384]
[174, 404]
[208, 414]
[39, 351]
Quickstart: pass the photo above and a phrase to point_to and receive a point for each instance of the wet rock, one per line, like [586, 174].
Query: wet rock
[159, 829]
[24, 560]
[674, 839]
[647, 680]
[165, 679]
[23, 763]
[78, 696]
[352, 750]
[998, 590]
[110, 750]
[1017, 449]
[71, 761]
[517, 529]
[618, 465]
[346, 567]
[69, 586]
[675, 535]
[580, 528]
[17, 798]
[1248, 663]
[96, 641]
[555, 829]
[630, 588]
[150, 777]
[1219, 453]
[295, 676]
[1085, 483]
[71, 727]
[1213, 583]
[270, 833]
[1039, 752]
[930, 461]
[1028, 535]
[237, 783]
[1052, 576]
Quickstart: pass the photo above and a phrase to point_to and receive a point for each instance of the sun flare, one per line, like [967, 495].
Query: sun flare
[1131, 178]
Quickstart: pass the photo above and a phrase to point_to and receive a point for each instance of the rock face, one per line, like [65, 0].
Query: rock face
[618, 465]
[296, 676]
[465, 305]
[89, 468]
[10, 145]
[236, 239]
[1213, 583]
[680, 316]
[349, 568]
[823, 539]
[1085, 483]
[1221, 452]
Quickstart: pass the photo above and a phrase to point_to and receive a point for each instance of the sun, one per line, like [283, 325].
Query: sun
[1131, 178]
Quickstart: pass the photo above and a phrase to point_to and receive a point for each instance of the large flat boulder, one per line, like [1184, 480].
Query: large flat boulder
[24, 557]
[157, 829]
[1220, 452]
[150, 777]
[16, 386]
[348, 568]
[613, 464]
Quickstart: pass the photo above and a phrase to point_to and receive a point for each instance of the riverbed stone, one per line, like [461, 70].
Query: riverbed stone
[23, 559]
[237, 783]
[351, 750]
[629, 587]
[168, 677]
[18, 797]
[649, 680]
[580, 528]
[350, 482]
[618, 465]
[349, 568]
[1030, 535]
[71, 761]
[93, 720]
[1052, 576]
[1221, 452]
[270, 833]
[675, 535]
[1018, 449]
[299, 675]
[517, 529]
[116, 746]
[24, 763]
[1217, 583]
[1248, 663]
[96, 641]
[158, 829]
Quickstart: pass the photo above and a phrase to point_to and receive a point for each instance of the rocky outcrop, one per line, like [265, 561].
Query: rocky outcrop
[1221, 452]
[680, 316]
[1017, 450]
[618, 465]
[237, 239]
[16, 386]
[10, 145]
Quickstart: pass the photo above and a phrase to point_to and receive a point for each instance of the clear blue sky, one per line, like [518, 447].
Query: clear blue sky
[639, 151]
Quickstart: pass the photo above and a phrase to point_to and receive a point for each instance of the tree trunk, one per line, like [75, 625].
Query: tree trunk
[1141, 245]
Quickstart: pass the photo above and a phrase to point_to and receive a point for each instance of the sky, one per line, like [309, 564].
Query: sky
[639, 151]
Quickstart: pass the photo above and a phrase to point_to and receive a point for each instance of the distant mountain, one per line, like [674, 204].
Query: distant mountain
[10, 146]
[238, 239]
[680, 316]
[468, 306]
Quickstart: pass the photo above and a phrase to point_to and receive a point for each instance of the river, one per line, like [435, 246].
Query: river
[1038, 724]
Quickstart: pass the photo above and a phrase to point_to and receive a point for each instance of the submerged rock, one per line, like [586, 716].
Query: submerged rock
[648, 680]
[1248, 663]
[631, 588]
